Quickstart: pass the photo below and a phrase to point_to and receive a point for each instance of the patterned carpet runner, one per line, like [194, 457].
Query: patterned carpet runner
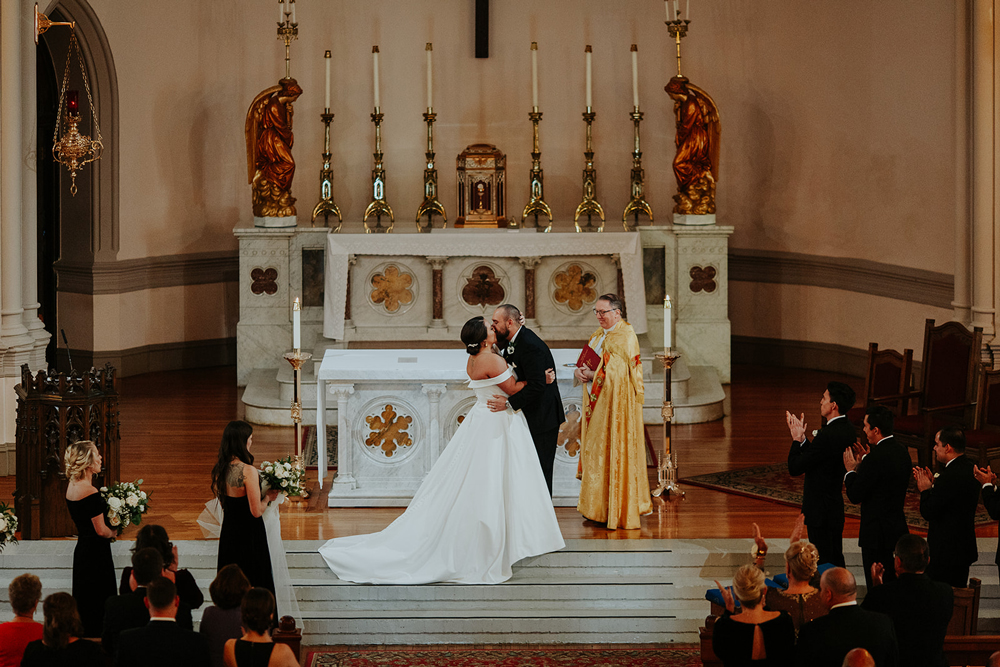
[565, 655]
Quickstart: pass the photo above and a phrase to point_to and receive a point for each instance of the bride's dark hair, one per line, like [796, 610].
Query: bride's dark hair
[473, 333]
[234, 445]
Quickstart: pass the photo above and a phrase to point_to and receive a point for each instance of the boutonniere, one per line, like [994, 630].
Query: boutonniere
[936, 475]
[510, 347]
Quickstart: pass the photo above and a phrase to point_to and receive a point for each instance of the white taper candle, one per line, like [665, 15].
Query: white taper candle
[293, 12]
[534, 75]
[281, 11]
[375, 66]
[635, 76]
[667, 324]
[588, 55]
[296, 324]
[326, 59]
[430, 77]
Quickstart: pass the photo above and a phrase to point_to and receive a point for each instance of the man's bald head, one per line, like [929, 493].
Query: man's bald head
[858, 657]
[838, 585]
[994, 660]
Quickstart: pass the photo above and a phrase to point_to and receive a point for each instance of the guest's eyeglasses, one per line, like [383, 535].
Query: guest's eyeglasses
[604, 312]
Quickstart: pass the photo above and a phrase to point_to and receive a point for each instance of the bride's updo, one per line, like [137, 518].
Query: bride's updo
[474, 333]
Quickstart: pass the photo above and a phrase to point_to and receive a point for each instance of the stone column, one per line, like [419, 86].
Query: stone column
[529, 264]
[437, 282]
[983, 242]
[961, 303]
[620, 280]
[435, 439]
[351, 261]
[345, 441]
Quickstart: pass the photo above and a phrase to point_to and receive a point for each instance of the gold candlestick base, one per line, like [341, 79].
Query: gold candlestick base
[536, 205]
[666, 469]
[296, 358]
[379, 206]
[326, 205]
[589, 206]
[430, 205]
[637, 204]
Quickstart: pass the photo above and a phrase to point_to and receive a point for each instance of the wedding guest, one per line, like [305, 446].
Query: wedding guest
[756, 636]
[61, 643]
[221, 621]
[153, 535]
[127, 611]
[161, 642]
[24, 592]
[93, 567]
[801, 599]
[256, 646]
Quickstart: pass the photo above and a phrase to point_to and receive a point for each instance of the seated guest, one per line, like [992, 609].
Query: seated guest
[920, 608]
[124, 612]
[858, 657]
[221, 621]
[994, 660]
[256, 646]
[60, 643]
[801, 600]
[825, 641]
[153, 535]
[24, 592]
[162, 643]
[755, 636]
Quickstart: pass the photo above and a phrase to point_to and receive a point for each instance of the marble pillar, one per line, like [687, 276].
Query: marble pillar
[434, 393]
[345, 453]
[348, 321]
[983, 123]
[961, 302]
[529, 264]
[437, 285]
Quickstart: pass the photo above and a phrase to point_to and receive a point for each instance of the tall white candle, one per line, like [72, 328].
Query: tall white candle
[534, 75]
[635, 76]
[588, 54]
[293, 12]
[296, 324]
[430, 77]
[326, 58]
[668, 324]
[375, 66]
[687, 11]
[281, 11]
[677, 9]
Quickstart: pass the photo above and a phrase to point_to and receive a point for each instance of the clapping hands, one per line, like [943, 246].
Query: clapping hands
[854, 454]
[727, 595]
[800, 525]
[984, 475]
[924, 477]
[796, 426]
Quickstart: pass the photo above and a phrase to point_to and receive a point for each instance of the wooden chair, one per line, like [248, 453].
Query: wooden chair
[886, 383]
[708, 657]
[965, 616]
[970, 649]
[984, 437]
[947, 393]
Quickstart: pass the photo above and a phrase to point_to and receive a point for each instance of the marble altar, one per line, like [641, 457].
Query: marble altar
[397, 410]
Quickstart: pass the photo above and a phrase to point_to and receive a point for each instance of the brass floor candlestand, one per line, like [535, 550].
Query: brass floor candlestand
[666, 469]
[536, 205]
[678, 29]
[637, 204]
[589, 206]
[288, 30]
[326, 205]
[378, 207]
[296, 358]
[430, 205]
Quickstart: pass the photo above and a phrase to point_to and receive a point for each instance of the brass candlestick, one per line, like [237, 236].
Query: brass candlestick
[296, 358]
[637, 204]
[678, 29]
[666, 469]
[430, 205]
[536, 204]
[378, 207]
[589, 206]
[326, 205]
[288, 31]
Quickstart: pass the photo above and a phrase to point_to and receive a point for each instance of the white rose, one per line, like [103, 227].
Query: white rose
[114, 520]
[132, 500]
[3, 524]
[104, 489]
[142, 494]
[114, 503]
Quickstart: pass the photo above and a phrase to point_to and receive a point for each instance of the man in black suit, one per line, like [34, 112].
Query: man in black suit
[825, 641]
[822, 462]
[949, 504]
[919, 607]
[162, 643]
[991, 498]
[877, 477]
[530, 357]
[124, 612]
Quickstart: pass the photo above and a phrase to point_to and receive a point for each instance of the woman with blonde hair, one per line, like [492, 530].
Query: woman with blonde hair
[93, 567]
[756, 636]
[801, 599]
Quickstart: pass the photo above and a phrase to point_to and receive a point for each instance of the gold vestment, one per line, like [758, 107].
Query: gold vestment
[615, 486]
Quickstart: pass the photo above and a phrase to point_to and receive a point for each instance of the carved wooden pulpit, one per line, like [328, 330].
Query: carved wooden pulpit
[53, 410]
[481, 187]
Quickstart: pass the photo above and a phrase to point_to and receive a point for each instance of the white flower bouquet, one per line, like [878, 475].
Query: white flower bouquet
[8, 526]
[126, 504]
[283, 475]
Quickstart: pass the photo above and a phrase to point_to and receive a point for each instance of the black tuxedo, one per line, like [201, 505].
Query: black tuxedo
[879, 485]
[920, 609]
[991, 500]
[162, 644]
[128, 611]
[823, 642]
[822, 462]
[950, 509]
[540, 402]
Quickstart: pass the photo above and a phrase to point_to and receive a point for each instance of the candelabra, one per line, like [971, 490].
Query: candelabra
[589, 206]
[326, 205]
[430, 205]
[666, 469]
[296, 358]
[678, 29]
[378, 207]
[637, 204]
[288, 30]
[536, 204]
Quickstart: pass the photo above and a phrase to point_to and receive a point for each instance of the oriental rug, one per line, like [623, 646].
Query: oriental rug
[309, 453]
[772, 482]
[561, 655]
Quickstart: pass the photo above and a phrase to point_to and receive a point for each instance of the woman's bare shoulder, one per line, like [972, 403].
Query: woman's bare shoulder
[487, 365]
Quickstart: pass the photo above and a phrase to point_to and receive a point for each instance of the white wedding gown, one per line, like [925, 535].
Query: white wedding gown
[482, 507]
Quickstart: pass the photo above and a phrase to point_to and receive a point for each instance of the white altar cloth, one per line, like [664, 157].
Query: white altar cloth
[480, 243]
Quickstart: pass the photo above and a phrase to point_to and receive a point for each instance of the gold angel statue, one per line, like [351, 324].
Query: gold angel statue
[696, 164]
[269, 150]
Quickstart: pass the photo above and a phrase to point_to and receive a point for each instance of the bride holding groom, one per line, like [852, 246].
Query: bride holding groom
[486, 503]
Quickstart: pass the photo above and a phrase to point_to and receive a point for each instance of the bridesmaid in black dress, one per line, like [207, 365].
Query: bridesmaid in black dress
[237, 485]
[93, 567]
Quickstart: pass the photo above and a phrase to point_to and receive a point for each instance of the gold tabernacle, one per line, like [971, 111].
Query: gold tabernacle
[482, 193]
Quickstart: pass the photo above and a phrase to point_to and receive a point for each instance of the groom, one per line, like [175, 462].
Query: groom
[529, 356]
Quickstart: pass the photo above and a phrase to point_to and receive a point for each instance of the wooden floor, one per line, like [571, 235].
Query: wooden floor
[171, 425]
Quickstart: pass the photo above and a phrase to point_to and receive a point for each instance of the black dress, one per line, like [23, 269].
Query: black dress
[93, 567]
[81, 653]
[252, 654]
[732, 641]
[244, 541]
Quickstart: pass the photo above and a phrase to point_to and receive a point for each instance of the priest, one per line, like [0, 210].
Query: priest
[615, 487]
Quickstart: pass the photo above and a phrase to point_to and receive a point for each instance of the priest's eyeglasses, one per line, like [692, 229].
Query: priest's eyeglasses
[604, 312]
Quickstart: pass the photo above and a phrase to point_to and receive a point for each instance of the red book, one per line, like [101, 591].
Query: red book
[588, 358]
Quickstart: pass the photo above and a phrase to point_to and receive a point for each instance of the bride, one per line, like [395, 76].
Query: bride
[483, 506]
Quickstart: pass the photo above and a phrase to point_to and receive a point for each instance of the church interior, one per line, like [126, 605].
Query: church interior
[852, 199]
